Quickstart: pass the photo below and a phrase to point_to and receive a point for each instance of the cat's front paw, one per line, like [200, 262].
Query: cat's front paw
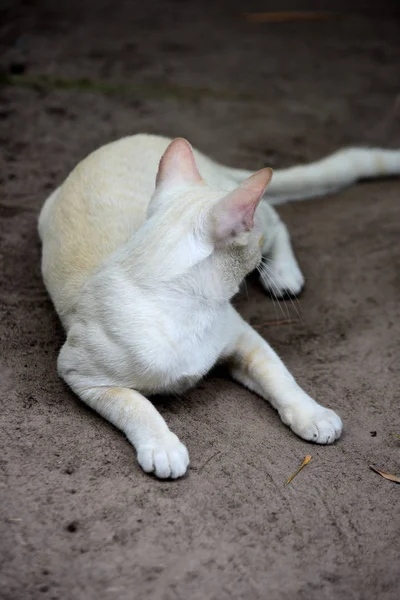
[166, 457]
[282, 279]
[314, 424]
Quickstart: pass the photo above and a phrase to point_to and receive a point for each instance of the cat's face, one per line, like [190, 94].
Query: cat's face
[211, 228]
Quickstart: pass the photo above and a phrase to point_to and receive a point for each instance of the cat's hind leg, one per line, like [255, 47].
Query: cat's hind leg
[280, 273]
[254, 364]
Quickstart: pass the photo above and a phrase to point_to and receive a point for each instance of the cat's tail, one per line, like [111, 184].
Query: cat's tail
[330, 174]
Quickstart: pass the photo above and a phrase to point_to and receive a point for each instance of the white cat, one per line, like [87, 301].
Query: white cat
[141, 258]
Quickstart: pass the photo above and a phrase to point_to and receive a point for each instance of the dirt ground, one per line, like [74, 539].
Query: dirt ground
[79, 520]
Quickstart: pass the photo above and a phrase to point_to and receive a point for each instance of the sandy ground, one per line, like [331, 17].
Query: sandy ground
[79, 520]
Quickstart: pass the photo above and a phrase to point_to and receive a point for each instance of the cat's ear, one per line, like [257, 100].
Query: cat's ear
[234, 214]
[178, 166]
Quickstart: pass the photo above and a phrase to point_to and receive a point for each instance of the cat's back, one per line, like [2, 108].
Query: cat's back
[96, 209]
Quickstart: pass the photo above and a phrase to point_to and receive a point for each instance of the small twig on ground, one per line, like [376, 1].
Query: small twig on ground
[208, 460]
[304, 463]
[275, 323]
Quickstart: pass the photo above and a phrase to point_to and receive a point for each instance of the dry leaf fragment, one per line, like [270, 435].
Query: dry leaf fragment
[388, 476]
[304, 463]
[396, 435]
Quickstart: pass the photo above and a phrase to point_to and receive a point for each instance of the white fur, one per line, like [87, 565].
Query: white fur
[329, 174]
[142, 279]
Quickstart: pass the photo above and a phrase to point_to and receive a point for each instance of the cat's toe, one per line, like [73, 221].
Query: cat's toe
[329, 428]
[167, 459]
[320, 425]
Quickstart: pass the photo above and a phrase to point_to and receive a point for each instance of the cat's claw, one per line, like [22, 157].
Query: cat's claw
[318, 424]
[167, 458]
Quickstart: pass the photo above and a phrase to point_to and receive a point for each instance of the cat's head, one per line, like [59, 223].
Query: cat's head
[203, 228]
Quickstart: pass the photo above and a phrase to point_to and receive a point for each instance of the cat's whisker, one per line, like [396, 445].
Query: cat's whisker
[286, 285]
[273, 289]
[281, 300]
[274, 273]
[268, 266]
[245, 287]
[273, 299]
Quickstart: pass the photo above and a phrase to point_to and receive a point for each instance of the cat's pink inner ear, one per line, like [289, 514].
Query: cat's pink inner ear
[178, 166]
[234, 214]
